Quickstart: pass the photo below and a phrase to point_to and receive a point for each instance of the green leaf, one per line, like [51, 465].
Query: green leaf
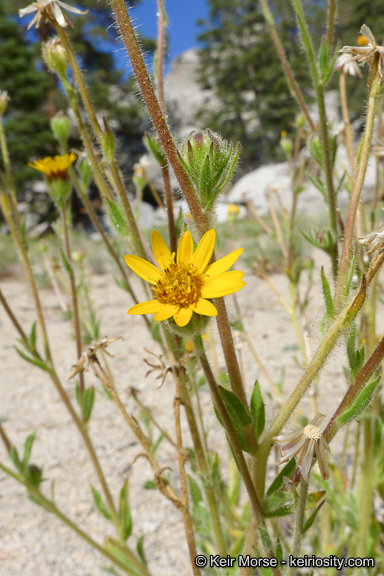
[102, 508]
[88, 402]
[205, 181]
[149, 485]
[14, 456]
[27, 448]
[238, 415]
[66, 263]
[116, 218]
[278, 504]
[140, 550]
[32, 336]
[318, 184]
[34, 361]
[125, 528]
[286, 472]
[330, 69]
[360, 403]
[257, 410]
[122, 283]
[323, 57]
[227, 177]
[195, 491]
[308, 523]
[327, 295]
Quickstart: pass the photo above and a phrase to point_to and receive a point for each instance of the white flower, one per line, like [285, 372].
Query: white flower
[347, 66]
[363, 53]
[303, 444]
[51, 10]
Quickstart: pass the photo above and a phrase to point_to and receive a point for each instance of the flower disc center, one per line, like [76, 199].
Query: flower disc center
[312, 431]
[179, 284]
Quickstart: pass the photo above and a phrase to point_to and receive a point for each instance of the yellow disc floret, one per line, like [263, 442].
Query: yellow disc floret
[179, 284]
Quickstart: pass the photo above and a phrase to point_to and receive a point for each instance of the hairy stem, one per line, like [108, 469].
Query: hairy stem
[355, 197]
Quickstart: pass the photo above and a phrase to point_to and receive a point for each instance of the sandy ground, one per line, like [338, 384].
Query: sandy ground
[34, 543]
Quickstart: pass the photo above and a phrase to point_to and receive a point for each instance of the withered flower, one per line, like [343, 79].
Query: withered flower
[364, 53]
[347, 66]
[374, 239]
[51, 10]
[303, 444]
[89, 355]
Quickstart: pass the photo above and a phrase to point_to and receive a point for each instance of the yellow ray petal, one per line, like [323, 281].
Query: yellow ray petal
[204, 251]
[223, 264]
[223, 285]
[166, 312]
[150, 307]
[185, 249]
[160, 250]
[205, 308]
[142, 268]
[183, 316]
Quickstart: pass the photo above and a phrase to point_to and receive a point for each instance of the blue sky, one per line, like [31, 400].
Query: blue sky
[182, 17]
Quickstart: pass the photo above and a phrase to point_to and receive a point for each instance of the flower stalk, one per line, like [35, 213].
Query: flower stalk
[356, 193]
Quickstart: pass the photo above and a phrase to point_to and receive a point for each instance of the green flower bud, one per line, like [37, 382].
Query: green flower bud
[4, 99]
[286, 143]
[55, 56]
[60, 127]
[154, 146]
[210, 162]
[34, 475]
[139, 177]
[300, 120]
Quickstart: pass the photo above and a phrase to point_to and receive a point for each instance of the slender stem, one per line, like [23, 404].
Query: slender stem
[52, 508]
[8, 172]
[156, 112]
[5, 439]
[340, 324]
[367, 491]
[50, 364]
[169, 202]
[183, 481]
[160, 480]
[287, 69]
[75, 304]
[148, 412]
[237, 451]
[117, 180]
[327, 162]
[160, 51]
[299, 519]
[202, 463]
[331, 23]
[355, 197]
[347, 125]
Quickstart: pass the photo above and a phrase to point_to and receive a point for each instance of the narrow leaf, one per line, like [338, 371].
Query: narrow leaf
[257, 409]
[27, 448]
[308, 523]
[116, 218]
[125, 513]
[327, 295]
[102, 508]
[286, 472]
[32, 336]
[205, 181]
[238, 415]
[323, 59]
[34, 361]
[360, 403]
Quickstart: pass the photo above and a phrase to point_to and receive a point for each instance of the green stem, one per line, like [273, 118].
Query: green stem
[286, 67]
[355, 197]
[340, 324]
[155, 111]
[8, 172]
[299, 519]
[331, 23]
[347, 124]
[237, 451]
[366, 480]
[75, 304]
[52, 508]
[327, 162]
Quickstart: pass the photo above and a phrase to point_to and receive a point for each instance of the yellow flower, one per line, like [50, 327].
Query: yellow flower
[186, 281]
[55, 168]
[51, 10]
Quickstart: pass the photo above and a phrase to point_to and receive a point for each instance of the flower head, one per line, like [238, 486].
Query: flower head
[363, 53]
[51, 10]
[186, 281]
[375, 240]
[55, 168]
[303, 444]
